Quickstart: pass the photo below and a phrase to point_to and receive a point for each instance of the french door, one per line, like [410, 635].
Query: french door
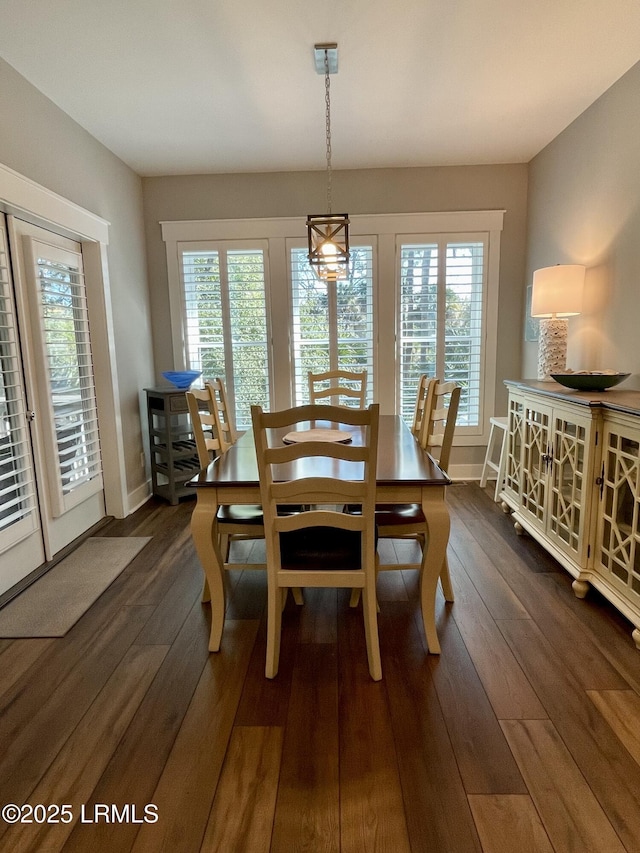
[51, 486]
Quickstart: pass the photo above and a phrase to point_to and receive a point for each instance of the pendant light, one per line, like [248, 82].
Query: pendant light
[328, 233]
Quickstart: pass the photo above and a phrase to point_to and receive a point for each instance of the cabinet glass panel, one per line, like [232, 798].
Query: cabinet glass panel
[513, 463]
[534, 464]
[567, 469]
[619, 531]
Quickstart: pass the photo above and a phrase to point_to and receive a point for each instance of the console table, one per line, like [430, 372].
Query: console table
[572, 481]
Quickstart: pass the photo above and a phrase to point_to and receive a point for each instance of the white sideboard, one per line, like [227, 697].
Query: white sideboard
[572, 481]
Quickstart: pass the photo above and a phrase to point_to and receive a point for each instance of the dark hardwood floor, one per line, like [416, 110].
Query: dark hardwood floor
[524, 735]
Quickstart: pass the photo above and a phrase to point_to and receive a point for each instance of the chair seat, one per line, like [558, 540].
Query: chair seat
[249, 513]
[388, 515]
[241, 514]
[317, 548]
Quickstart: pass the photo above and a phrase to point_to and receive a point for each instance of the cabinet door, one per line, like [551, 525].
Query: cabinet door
[570, 482]
[536, 452]
[617, 555]
[513, 461]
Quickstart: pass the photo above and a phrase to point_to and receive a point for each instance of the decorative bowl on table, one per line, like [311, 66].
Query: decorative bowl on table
[182, 379]
[596, 381]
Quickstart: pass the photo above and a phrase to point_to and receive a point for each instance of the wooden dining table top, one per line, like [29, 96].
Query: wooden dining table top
[401, 460]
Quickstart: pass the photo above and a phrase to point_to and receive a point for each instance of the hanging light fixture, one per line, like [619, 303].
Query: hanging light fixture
[328, 233]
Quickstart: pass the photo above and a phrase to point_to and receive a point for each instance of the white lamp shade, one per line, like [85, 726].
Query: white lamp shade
[557, 291]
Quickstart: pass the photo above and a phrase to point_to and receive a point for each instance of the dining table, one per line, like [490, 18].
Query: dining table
[405, 473]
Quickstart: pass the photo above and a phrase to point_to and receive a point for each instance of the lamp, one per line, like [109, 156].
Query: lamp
[328, 233]
[556, 295]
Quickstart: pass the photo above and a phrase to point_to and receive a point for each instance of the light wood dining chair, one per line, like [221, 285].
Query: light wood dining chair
[227, 429]
[237, 521]
[204, 423]
[319, 547]
[337, 384]
[403, 521]
[421, 400]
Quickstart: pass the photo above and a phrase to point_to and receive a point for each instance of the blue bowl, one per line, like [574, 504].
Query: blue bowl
[182, 379]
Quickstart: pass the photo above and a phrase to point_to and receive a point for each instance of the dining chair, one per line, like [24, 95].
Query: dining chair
[204, 424]
[401, 521]
[241, 520]
[335, 384]
[228, 434]
[319, 546]
[236, 521]
[421, 399]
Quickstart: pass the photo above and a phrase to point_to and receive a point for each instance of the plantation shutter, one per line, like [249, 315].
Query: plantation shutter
[441, 322]
[333, 322]
[17, 490]
[66, 363]
[224, 288]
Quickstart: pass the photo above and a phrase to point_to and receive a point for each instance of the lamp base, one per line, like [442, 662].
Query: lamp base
[552, 347]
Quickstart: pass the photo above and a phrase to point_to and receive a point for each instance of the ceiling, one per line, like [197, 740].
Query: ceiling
[197, 86]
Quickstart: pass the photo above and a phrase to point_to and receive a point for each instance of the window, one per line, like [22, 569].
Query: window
[421, 297]
[441, 292]
[226, 321]
[332, 321]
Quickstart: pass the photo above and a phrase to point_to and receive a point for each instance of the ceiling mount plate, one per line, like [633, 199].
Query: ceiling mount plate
[331, 49]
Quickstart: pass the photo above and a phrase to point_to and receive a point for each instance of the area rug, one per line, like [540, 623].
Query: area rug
[54, 603]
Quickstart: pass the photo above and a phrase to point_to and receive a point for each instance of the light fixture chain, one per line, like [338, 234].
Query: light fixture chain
[327, 99]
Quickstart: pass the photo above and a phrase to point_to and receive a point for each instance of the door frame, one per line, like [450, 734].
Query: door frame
[25, 199]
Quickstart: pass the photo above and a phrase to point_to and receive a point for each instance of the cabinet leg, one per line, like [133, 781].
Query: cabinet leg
[580, 588]
[519, 528]
[636, 637]
[504, 506]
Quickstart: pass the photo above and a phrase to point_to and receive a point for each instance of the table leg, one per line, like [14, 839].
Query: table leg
[205, 539]
[433, 557]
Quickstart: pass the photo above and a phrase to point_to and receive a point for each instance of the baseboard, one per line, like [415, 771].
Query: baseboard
[465, 472]
[139, 497]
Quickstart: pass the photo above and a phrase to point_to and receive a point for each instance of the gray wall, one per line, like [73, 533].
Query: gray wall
[42, 143]
[584, 207]
[358, 192]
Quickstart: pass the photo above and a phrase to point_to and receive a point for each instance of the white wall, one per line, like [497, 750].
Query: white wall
[584, 207]
[42, 143]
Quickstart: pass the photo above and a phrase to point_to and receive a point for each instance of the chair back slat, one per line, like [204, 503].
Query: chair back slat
[334, 384]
